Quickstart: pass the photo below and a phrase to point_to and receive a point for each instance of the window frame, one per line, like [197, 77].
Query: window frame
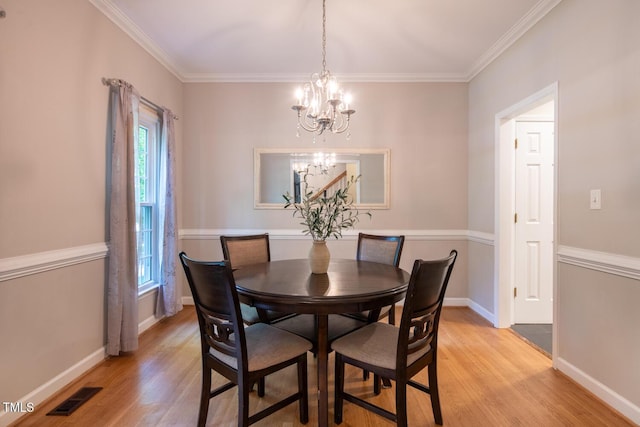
[150, 120]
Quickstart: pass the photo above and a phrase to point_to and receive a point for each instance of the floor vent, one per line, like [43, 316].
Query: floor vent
[75, 401]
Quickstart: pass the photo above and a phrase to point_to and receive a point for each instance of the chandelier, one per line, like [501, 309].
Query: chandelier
[321, 162]
[321, 104]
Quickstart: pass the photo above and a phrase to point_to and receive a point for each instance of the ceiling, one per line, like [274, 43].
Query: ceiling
[367, 40]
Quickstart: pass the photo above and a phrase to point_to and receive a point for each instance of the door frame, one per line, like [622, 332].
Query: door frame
[504, 227]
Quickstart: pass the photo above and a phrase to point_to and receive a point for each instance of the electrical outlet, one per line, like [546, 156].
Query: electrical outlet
[595, 200]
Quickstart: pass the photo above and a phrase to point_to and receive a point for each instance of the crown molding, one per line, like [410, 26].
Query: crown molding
[346, 78]
[515, 32]
[140, 37]
[538, 12]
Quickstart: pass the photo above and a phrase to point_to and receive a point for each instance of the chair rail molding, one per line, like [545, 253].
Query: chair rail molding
[620, 265]
[296, 234]
[25, 265]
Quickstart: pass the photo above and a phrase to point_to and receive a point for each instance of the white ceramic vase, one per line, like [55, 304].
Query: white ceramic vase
[319, 257]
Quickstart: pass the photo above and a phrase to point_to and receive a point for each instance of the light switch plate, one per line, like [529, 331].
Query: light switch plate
[595, 199]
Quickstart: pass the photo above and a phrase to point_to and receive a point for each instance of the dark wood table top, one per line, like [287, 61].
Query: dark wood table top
[349, 286]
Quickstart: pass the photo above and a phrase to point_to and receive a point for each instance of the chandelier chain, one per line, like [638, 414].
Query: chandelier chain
[324, 36]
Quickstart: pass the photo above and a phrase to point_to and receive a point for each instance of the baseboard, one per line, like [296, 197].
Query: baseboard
[147, 323]
[610, 397]
[482, 311]
[456, 302]
[51, 387]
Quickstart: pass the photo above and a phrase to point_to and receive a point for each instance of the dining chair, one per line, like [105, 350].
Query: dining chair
[399, 353]
[242, 354]
[385, 250]
[245, 250]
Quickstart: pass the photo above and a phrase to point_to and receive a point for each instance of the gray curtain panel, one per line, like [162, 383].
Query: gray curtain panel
[169, 297]
[122, 280]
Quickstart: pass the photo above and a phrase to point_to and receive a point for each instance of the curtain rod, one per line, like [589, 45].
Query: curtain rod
[119, 82]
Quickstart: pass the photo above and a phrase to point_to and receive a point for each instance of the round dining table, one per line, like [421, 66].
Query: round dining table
[349, 286]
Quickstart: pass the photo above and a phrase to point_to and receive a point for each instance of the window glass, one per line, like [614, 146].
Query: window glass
[146, 199]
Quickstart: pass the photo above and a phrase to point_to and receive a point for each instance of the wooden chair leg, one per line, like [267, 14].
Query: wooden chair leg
[401, 403]
[433, 392]
[392, 315]
[204, 396]
[339, 389]
[302, 388]
[243, 405]
[261, 387]
[376, 384]
[365, 375]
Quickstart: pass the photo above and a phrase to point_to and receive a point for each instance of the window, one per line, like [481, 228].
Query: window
[147, 199]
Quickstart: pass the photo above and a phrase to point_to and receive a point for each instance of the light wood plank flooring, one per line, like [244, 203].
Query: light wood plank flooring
[488, 377]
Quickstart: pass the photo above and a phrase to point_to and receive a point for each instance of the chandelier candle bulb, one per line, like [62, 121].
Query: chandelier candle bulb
[299, 96]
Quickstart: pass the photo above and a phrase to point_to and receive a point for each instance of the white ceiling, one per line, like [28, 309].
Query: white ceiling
[367, 40]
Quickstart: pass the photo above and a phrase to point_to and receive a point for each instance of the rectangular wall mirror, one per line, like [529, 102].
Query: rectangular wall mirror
[277, 171]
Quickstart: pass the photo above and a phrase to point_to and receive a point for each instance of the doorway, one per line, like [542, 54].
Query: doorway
[524, 252]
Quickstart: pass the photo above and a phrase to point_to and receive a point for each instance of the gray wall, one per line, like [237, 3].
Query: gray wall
[53, 111]
[592, 49]
[441, 136]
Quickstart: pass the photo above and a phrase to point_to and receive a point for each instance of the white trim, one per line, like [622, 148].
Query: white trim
[54, 385]
[620, 265]
[455, 302]
[482, 311]
[345, 78]
[481, 237]
[147, 323]
[111, 11]
[538, 12]
[296, 234]
[25, 265]
[609, 396]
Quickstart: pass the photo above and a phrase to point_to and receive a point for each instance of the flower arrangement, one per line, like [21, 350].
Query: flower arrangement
[325, 216]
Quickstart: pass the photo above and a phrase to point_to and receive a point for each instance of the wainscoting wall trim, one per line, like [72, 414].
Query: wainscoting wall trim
[481, 237]
[619, 265]
[25, 265]
[296, 234]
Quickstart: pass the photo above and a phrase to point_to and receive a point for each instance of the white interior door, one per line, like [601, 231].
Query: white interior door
[534, 189]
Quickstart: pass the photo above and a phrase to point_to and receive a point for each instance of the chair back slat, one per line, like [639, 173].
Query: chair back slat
[423, 304]
[217, 305]
[381, 249]
[246, 250]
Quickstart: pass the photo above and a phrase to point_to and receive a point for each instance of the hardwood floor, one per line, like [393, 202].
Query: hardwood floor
[487, 376]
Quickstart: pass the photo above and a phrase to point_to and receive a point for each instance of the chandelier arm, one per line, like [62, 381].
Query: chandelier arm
[309, 126]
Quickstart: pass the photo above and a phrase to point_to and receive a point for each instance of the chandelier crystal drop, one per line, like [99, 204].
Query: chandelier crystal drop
[321, 103]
